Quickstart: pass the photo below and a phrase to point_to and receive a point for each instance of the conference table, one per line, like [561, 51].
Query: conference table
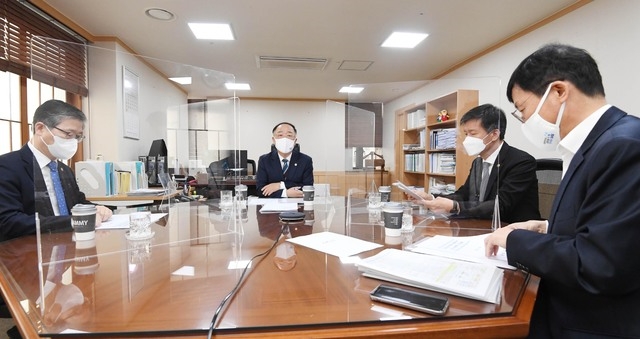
[236, 264]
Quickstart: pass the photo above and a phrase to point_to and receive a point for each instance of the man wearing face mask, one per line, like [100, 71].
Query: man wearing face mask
[28, 175]
[586, 255]
[497, 167]
[283, 171]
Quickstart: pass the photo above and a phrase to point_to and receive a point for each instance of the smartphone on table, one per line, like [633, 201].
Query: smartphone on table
[398, 296]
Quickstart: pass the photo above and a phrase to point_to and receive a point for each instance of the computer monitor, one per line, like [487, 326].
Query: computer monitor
[231, 163]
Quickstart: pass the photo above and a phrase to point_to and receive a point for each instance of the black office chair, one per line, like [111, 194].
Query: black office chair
[549, 173]
[251, 164]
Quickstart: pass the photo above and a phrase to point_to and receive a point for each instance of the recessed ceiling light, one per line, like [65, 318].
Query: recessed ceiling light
[159, 14]
[236, 86]
[211, 31]
[404, 40]
[181, 80]
[351, 89]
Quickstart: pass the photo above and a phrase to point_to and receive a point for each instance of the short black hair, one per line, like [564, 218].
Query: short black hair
[555, 62]
[490, 116]
[52, 112]
[284, 123]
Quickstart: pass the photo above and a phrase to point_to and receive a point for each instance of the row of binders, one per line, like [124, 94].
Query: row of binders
[104, 178]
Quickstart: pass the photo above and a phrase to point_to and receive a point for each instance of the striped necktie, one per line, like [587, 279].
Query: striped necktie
[57, 187]
[285, 165]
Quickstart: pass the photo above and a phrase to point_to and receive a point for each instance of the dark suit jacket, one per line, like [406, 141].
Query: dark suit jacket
[518, 188]
[300, 172]
[23, 193]
[588, 263]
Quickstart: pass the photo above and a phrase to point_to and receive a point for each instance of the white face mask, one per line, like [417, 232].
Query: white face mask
[540, 132]
[61, 148]
[473, 146]
[285, 145]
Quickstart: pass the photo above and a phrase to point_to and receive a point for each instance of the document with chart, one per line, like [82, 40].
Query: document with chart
[461, 278]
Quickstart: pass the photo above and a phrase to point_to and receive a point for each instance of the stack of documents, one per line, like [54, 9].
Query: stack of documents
[146, 192]
[461, 278]
[461, 248]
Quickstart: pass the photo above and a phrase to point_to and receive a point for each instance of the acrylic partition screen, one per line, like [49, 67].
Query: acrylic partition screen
[130, 106]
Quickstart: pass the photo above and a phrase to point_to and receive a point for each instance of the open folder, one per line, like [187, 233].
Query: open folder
[461, 278]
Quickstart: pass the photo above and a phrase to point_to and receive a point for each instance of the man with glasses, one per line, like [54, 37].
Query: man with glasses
[497, 167]
[586, 254]
[33, 180]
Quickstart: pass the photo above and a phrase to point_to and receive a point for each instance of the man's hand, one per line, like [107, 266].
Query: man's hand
[437, 205]
[294, 192]
[498, 238]
[269, 189]
[102, 214]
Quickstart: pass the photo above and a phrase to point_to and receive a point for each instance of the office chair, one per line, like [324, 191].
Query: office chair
[549, 173]
[251, 163]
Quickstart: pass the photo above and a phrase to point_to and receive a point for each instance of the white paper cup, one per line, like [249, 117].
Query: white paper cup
[392, 219]
[385, 193]
[308, 194]
[83, 221]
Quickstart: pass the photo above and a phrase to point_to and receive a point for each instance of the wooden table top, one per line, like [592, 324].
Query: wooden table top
[171, 285]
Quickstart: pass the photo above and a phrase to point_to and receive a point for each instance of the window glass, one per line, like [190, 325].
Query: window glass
[5, 96]
[16, 140]
[14, 91]
[5, 147]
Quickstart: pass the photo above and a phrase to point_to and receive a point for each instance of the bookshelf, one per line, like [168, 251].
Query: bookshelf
[429, 150]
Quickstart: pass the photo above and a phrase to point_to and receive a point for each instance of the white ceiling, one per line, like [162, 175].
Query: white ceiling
[340, 30]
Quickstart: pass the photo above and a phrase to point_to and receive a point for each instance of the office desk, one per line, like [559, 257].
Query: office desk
[170, 286]
[213, 188]
[131, 200]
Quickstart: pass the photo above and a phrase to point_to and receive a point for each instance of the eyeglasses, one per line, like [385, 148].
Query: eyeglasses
[517, 114]
[71, 135]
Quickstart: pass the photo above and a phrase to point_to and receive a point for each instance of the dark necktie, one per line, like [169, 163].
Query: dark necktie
[486, 168]
[285, 165]
[57, 187]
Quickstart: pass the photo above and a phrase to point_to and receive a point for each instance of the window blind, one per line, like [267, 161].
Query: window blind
[30, 40]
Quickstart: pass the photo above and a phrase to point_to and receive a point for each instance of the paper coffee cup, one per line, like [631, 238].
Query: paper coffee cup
[385, 193]
[83, 221]
[392, 219]
[308, 193]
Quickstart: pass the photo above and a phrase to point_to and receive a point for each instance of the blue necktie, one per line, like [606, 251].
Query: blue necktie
[285, 165]
[57, 187]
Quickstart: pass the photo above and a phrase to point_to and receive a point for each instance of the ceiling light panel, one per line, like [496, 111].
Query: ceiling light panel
[204, 31]
[404, 39]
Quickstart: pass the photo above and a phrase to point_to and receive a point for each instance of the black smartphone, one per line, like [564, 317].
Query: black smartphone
[418, 301]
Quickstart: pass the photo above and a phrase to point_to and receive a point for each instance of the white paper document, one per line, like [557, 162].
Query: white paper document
[276, 206]
[456, 277]
[461, 248]
[253, 201]
[121, 221]
[334, 243]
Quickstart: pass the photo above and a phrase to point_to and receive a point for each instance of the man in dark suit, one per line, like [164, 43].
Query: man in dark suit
[26, 185]
[503, 168]
[283, 171]
[587, 254]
